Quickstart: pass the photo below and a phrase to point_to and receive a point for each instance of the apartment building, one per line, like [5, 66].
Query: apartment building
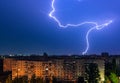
[61, 68]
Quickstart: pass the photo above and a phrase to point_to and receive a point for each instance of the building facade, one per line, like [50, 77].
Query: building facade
[62, 68]
[7, 64]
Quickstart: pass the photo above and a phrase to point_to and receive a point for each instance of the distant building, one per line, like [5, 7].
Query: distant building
[64, 68]
[7, 64]
[1, 65]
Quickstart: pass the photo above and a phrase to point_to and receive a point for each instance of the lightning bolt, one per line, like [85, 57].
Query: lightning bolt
[96, 25]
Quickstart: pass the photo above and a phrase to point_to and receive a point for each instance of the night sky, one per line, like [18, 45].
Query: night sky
[26, 28]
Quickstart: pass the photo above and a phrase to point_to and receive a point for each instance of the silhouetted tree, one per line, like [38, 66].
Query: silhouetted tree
[80, 80]
[92, 73]
[54, 80]
[47, 80]
[9, 79]
[23, 79]
[39, 80]
[107, 80]
[33, 79]
[111, 67]
[15, 80]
